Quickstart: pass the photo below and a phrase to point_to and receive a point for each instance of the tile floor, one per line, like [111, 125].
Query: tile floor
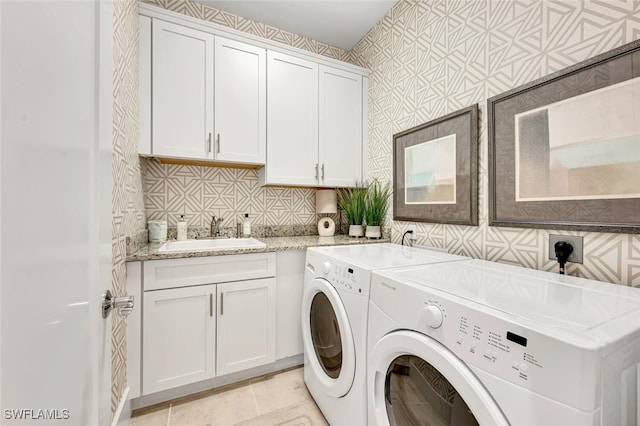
[280, 399]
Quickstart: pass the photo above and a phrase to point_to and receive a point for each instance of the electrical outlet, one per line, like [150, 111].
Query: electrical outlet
[576, 243]
[414, 235]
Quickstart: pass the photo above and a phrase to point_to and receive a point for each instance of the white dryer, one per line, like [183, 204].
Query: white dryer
[334, 321]
[484, 343]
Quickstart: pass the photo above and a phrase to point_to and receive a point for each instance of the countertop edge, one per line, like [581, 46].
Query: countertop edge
[273, 244]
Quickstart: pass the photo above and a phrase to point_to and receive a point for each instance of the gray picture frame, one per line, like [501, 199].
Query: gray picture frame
[462, 206]
[591, 78]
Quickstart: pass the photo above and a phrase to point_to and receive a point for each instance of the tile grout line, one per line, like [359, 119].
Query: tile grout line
[169, 415]
[255, 401]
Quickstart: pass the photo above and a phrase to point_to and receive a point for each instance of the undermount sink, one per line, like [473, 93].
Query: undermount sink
[212, 244]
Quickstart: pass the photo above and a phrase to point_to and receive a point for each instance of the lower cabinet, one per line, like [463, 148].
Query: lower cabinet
[246, 335]
[211, 318]
[205, 317]
[179, 337]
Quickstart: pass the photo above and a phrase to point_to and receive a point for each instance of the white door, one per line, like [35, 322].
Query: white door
[246, 325]
[292, 121]
[340, 127]
[327, 337]
[240, 102]
[182, 93]
[413, 379]
[178, 337]
[55, 217]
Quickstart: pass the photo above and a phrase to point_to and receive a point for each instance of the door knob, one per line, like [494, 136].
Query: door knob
[123, 304]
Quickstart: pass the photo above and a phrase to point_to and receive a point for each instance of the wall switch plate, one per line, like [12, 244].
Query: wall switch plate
[576, 242]
[414, 235]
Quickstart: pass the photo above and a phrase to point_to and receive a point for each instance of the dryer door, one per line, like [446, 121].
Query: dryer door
[413, 379]
[327, 337]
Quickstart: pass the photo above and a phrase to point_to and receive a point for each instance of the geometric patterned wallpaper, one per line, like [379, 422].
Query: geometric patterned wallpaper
[430, 58]
[127, 203]
[200, 192]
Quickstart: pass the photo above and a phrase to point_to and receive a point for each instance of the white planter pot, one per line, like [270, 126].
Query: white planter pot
[355, 231]
[373, 232]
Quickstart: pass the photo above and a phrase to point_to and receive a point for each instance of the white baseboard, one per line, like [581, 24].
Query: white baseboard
[122, 415]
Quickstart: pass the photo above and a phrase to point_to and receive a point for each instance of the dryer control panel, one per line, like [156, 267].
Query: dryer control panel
[346, 277]
[343, 276]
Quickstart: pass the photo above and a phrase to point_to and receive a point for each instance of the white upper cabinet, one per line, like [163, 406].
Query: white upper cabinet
[340, 127]
[314, 124]
[144, 86]
[292, 121]
[240, 102]
[206, 95]
[182, 92]
[215, 95]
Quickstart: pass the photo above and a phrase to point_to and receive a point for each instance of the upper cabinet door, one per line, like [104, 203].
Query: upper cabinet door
[240, 102]
[292, 121]
[340, 122]
[182, 91]
[144, 86]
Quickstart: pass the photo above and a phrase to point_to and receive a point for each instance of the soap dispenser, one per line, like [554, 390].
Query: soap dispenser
[182, 229]
[246, 226]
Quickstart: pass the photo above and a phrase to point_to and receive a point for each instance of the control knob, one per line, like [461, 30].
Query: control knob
[432, 315]
[326, 267]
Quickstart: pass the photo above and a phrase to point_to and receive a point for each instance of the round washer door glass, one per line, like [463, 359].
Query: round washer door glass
[416, 392]
[325, 334]
[417, 380]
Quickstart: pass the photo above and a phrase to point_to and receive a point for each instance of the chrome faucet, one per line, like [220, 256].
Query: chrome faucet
[215, 226]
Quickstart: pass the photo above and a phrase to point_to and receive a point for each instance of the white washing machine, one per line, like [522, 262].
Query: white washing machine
[483, 343]
[334, 321]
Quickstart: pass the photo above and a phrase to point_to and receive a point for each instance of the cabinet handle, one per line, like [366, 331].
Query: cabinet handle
[210, 304]
[221, 304]
[209, 142]
[322, 171]
[218, 142]
[316, 171]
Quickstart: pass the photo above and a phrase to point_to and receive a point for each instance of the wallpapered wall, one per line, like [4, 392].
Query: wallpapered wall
[199, 192]
[430, 58]
[128, 215]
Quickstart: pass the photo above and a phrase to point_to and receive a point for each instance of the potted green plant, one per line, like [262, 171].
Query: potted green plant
[352, 202]
[376, 205]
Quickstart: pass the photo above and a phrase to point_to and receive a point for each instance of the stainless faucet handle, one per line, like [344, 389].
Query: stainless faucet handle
[213, 218]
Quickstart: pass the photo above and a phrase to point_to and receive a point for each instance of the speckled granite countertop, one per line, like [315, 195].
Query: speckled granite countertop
[150, 251]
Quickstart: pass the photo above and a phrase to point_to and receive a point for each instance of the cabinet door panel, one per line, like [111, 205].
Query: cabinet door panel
[246, 325]
[182, 91]
[144, 86]
[240, 102]
[178, 337]
[292, 120]
[340, 124]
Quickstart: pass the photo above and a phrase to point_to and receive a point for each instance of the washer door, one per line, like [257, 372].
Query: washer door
[327, 337]
[413, 379]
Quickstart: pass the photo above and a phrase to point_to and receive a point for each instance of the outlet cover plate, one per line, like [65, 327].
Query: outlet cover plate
[576, 242]
[413, 236]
